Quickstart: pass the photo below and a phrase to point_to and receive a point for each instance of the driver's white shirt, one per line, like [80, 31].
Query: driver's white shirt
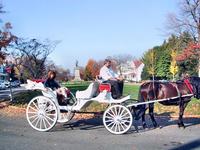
[107, 73]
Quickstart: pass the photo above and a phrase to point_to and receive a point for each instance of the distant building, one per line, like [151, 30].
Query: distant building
[132, 70]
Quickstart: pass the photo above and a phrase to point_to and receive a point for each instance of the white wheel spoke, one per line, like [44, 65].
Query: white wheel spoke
[116, 127]
[111, 120]
[50, 110]
[119, 110]
[49, 118]
[41, 123]
[37, 122]
[35, 105]
[113, 112]
[33, 116]
[110, 124]
[34, 120]
[125, 121]
[111, 115]
[122, 126]
[47, 107]
[113, 126]
[125, 118]
[30, 112]
[45, 126]
[119, 129]
[47, 121]
[122, 112]
[125, 114]
[33, 108]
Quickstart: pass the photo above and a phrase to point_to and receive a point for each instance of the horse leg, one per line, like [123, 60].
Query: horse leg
[151, 114]
[144, 125]
[182, 107]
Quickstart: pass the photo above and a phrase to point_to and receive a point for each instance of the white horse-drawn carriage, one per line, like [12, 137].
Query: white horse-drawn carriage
[43, 112]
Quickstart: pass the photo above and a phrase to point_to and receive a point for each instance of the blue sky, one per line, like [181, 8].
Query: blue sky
[90, 28]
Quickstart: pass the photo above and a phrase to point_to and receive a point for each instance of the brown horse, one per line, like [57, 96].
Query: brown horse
[176, 93]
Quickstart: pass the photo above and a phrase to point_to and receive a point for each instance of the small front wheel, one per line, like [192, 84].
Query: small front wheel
[41, 113]
[117, 119]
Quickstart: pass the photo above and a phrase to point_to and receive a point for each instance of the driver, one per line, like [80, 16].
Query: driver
[109, 76]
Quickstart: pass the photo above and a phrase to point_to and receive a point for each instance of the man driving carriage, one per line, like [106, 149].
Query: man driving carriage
[109, 76]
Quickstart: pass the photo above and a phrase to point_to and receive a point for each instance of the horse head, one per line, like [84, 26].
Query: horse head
[195, 82]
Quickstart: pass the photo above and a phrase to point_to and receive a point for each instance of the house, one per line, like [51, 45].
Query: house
[132, 70]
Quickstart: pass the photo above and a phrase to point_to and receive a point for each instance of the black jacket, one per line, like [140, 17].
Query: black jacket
[50, 83]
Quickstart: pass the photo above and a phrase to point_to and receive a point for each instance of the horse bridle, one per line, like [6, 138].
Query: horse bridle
[189, 85]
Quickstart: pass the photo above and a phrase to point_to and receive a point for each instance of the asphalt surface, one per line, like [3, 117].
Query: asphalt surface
[90, 134]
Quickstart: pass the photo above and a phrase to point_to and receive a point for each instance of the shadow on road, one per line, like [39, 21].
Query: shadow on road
[189, 146]
[163, 120]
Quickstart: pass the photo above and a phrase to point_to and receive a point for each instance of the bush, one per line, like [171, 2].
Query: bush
[25, 97]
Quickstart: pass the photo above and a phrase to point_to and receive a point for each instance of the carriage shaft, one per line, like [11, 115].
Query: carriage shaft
[158, 100]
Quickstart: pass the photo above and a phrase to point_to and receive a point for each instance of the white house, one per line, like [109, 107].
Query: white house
[132, 70]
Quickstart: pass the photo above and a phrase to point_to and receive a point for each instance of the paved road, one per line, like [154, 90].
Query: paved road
[16, 134]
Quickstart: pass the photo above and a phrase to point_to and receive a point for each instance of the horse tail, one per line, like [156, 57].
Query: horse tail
[140, 96]
[139, 110]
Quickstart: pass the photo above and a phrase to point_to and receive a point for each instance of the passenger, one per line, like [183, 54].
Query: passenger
[52, 84]
[109, 76]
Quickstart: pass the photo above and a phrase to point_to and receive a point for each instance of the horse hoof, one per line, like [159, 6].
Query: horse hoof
[155, 126]
[144, 126]
[181, 125]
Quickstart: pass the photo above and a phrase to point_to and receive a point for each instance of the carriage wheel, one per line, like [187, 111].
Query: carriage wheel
[71, 99]
[65, 116]
[117, 119]
[41, 113]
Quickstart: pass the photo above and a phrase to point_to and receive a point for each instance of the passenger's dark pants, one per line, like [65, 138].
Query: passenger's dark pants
[116, 88]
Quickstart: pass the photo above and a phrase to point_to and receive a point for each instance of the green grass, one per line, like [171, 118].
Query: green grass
[131, 90]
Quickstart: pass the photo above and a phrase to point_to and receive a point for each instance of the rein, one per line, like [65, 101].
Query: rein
[189, 85]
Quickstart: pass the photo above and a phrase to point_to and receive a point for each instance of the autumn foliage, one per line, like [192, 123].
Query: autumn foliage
[92, 69]
[192, 50]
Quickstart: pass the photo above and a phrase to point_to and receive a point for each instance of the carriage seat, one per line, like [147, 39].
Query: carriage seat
[105, 86]
[90, 92]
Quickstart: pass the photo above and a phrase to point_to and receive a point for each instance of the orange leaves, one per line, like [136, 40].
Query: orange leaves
[192, 50]
[92, 69]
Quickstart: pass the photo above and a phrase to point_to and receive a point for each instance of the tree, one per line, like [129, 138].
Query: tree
[6, 38]
[91, 70]
[188, 21]
[173, 66]
[162, 60]
[62, 74]
[188, 59]
[149, 60]
[31, 55]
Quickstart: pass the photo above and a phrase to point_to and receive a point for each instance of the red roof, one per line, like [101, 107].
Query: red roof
[137, 63]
